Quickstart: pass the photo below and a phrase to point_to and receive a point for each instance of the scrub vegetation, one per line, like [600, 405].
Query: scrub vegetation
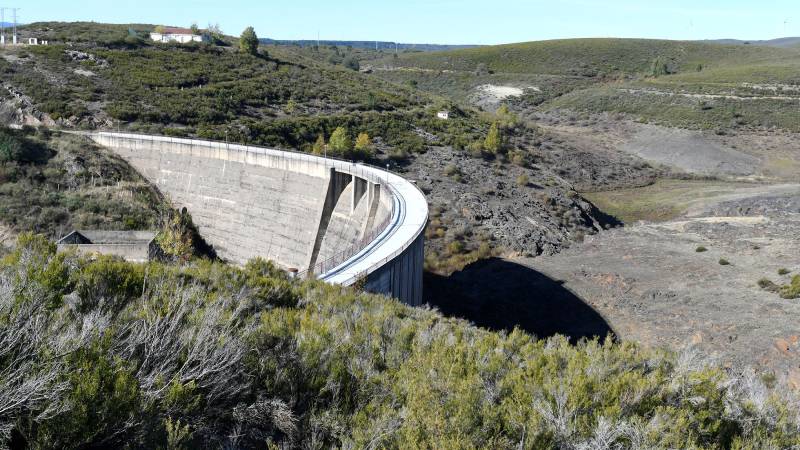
[109, 354]
[278, 98]
[54, 183]
[691, 85]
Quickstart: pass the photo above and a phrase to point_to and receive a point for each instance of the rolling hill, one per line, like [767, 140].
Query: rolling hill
[780, 42]
[590, 57]
[368, 45]
[688, 84]
[98, 75]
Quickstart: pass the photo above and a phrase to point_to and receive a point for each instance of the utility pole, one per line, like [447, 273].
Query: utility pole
[14, 38]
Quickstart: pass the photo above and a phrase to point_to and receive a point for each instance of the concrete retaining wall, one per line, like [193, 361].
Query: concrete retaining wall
[136, 253]
[296, 209]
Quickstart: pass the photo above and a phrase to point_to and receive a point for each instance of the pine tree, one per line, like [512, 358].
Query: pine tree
[248, 42]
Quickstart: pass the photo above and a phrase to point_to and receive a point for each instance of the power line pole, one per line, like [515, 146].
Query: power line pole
[14, 37]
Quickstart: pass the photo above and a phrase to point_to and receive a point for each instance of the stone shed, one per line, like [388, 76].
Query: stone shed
[133, 246]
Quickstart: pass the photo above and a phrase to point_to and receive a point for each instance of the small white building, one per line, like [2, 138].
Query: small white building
[179, 35]
[444, 115]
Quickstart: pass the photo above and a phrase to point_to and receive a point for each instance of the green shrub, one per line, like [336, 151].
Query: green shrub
[791, 290]
[455, 247]
[451, 170]
[784, 271]
[494, 140]
[10, 148]
[768, 285]
[207, 348]
[351, 63]
[724, 262]
[701, 249]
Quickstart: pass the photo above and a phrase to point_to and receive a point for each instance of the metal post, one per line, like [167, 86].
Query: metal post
[14, 39]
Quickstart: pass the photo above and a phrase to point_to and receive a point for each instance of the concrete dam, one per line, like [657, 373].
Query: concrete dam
[338, 221]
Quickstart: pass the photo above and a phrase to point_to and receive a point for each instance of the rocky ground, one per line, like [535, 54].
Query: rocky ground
[513, 209]
[524, 209]
[648, 283]
[651, 285]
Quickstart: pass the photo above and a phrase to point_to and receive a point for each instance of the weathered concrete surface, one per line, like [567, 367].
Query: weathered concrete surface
[296, 209]
[133, 246]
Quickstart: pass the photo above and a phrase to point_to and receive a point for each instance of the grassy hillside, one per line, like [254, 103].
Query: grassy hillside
[685, 84]
[85, 32]
[103, 354]
[592, 57]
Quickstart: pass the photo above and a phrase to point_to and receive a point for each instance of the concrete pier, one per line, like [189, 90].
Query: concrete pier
[340, 221]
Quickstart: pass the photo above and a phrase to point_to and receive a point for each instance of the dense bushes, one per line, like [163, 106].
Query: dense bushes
[112, 354]
[282, 100]
[791, 290]
[15, 147]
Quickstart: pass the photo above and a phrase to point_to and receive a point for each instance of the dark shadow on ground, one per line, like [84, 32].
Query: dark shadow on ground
[501, 295]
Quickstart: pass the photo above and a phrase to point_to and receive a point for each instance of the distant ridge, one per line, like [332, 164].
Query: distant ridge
[382, 45]
[780, 42]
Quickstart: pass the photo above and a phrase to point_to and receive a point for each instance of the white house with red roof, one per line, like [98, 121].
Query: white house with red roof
[180, 35]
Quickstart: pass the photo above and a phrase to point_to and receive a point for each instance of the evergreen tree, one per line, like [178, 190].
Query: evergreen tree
[248, 42]
[351, 63]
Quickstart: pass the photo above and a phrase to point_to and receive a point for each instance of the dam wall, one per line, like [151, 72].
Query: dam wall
[336, 220]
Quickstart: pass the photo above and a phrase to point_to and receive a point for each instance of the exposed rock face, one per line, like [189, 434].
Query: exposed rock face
[17, 108]
[540, 214]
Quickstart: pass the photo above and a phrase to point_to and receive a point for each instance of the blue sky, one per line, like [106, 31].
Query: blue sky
[447, 21]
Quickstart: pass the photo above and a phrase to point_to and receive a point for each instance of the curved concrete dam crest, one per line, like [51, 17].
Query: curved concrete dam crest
[340, 221]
